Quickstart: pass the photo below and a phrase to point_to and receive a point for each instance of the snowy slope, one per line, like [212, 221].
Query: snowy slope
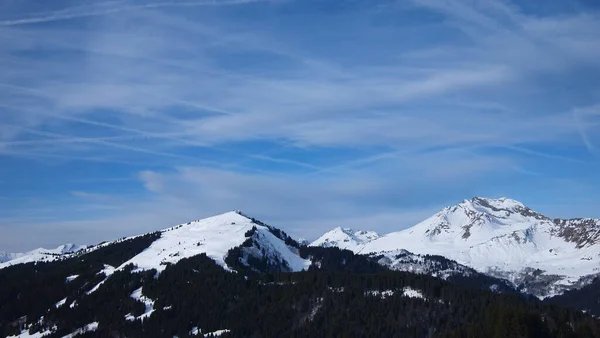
[7, 256]
[504, 238]
[345, 238]
[213, 236]
[402, 260]
[40, 254]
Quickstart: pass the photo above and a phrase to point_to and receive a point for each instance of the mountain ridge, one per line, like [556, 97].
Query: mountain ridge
[39, 254]
[236, 275]
[214, 236]
[502, 238]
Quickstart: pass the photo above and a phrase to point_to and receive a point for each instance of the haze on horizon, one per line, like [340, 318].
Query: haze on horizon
[127, 116]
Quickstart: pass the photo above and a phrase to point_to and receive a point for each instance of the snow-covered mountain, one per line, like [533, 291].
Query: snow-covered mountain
[172, 281]
[7, 256]
[345, 238]
[40, 254]
[403, 260]
[504, 238]
[499, 237]
[214, 236]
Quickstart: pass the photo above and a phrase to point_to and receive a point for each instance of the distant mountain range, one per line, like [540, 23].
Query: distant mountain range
[120, 286]
[501, 238]
[39, 254]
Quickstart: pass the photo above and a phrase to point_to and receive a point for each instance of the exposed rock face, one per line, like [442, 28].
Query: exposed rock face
[581, 231]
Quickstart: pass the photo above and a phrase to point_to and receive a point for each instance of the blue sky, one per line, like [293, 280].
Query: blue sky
[121, 117]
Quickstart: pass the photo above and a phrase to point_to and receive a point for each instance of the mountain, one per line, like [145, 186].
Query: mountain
[40, 254]
[506, 239]
[403, 260]
[219, 237]
[232, 241]
[215, 237]
[345, 238]
[7, 256]
[233, 276]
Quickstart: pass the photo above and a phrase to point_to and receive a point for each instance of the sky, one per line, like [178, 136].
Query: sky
[123, 117]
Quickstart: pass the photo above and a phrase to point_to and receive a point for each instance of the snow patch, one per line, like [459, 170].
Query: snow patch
[217, 333]
[336, 290]
[107, 271]
[60, 303]
[406, 292]
[316, 306]
[26, 334]
[380, 294]
[196, 331]
[71, 278]
[88, 328]
[149, 303]
[412, 293]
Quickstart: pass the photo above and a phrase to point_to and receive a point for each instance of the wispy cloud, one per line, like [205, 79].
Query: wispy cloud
[314, 111]
[110, 7]
[587, 118]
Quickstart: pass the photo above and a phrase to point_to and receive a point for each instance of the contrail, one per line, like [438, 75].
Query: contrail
[582, 131]
[58, 16]
[71, 140]
[542, 154]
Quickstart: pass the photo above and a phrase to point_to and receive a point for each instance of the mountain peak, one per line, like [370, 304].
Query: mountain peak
[347, 231]
[67, 248]
[345, 238]
[480, 217]
[495, 210]
[215, 237]
[502, 203]
[504, 237]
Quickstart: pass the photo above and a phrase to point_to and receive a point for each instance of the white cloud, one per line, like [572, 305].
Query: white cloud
[140, 78]
[111, 7]
[223, 104]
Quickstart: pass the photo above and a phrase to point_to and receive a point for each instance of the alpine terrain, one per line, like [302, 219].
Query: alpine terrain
[345, 238]
[40, 254]
[502, 238]
[234, 276]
